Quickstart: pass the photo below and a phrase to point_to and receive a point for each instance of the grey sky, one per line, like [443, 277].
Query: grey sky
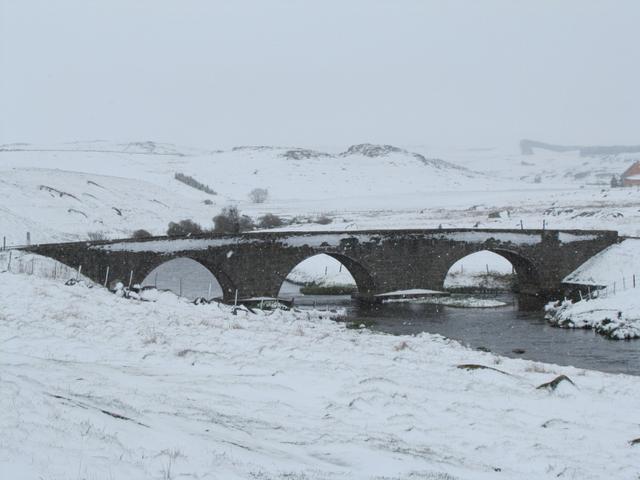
[221, 73]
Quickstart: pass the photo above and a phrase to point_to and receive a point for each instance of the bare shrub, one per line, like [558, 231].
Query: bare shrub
[270, 221]
[184, 227]
[192, 182]
[94, 236]
[258, 195]
[140, 234]
[229, 220]
[323, 219]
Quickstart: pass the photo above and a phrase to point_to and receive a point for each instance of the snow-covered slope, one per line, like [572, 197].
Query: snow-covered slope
[96, 386]
[358, 187]
[56, 205]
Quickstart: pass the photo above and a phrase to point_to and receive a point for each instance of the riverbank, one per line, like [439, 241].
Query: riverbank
[130, 389]
[616, 316]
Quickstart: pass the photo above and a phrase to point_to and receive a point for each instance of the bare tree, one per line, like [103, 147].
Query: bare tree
[184, 227]
[259, 195]
[229, 220]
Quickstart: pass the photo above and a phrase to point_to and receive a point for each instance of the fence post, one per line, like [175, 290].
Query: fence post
[521, 225]
[209, 296]
[130, 278]
[106, 278]
[9, 264]
[78, 272]
[180, 286]
[28, 238]
[4, 243]
[235, 302]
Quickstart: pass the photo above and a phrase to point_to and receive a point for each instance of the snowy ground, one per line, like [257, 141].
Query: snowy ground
[96, 386]
[615, 315]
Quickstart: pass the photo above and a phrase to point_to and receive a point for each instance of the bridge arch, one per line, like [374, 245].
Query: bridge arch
[189, 277]
[526, 271]
[353, 272]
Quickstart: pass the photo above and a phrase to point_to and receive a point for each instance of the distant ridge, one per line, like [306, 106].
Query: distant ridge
[527, 147]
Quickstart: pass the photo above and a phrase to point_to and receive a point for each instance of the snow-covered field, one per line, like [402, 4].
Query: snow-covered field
[96, 386]
[61, 192]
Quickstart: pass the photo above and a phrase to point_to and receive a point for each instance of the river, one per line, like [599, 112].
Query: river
[500, 330]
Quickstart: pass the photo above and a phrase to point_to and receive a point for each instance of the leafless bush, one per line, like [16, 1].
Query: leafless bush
[230, 221]
[323, 220]
[184, 227]
[140, 234]
[270, 221]
[192, 182]
[258, 195]
[94, 236]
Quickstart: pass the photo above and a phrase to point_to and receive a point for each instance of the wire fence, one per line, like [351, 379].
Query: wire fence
[625, 283]
[14, 261]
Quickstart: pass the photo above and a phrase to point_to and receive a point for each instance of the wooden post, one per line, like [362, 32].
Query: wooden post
[209, 296]
[544, 223]
[9, 264]
[130, 278]
[28, 238]
[521, 225]
[180, 286]
[580, 293]
[106, 278]
[235, 302]
[78, 272]
[156, 280]
[4, 243]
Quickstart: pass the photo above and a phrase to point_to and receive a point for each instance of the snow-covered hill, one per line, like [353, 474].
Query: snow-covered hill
[63, 192]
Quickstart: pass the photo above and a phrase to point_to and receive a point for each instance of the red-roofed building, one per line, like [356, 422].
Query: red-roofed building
[631, 176]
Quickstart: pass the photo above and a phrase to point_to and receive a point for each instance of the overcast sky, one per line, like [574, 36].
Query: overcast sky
[316, 73]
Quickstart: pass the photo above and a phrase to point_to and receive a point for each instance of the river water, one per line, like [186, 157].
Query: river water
[500, 330]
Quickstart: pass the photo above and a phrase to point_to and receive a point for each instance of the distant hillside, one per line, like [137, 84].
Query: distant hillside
[527, 147]
[63, 192]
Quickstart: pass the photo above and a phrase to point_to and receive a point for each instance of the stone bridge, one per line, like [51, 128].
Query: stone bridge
[256, 264]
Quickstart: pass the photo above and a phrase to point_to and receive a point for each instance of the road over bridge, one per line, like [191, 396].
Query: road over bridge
[256, 264]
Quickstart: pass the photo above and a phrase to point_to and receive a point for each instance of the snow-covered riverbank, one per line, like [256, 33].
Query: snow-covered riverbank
[96, 386]
[615, 316]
